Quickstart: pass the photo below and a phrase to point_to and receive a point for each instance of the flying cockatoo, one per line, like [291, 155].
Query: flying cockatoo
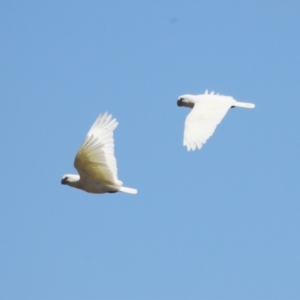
[95, 161]
[208, 110]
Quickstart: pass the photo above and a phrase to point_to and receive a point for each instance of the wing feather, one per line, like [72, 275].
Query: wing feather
[95, 160]
[200, 124]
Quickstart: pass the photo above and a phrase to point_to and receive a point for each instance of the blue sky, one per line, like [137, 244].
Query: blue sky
[219, 223]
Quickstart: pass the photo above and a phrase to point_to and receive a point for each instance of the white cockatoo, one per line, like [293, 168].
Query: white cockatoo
[208, 110]
[95, 161]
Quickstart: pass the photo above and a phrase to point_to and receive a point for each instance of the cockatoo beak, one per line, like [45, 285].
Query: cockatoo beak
[185, 102]
[179, 102]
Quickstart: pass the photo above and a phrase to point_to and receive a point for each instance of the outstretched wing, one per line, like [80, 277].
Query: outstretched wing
[202, 121]
[95, 160]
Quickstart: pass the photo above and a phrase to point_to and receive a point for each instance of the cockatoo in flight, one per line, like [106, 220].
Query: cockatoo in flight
[208, 110]
[95, 161]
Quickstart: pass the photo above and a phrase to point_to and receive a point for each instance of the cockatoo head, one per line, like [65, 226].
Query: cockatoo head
[70, 179]
[186, 100]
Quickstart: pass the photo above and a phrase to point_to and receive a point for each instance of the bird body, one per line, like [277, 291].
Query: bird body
[95, 161]
[90, 187]
[208, 110]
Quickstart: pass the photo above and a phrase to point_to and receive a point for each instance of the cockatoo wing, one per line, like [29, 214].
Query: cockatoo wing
[95, 160]
[202, 121]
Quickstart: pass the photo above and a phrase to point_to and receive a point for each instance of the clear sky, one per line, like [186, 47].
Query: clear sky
[219, 223]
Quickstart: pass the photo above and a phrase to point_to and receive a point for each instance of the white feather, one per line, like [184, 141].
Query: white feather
[95, 160]
[207, 112]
